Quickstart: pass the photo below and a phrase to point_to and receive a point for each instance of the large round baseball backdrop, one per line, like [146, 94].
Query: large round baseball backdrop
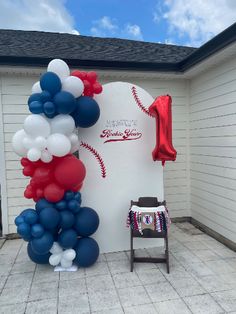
[119, 162]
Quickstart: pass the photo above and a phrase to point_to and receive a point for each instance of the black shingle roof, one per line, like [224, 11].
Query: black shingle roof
[34, 48]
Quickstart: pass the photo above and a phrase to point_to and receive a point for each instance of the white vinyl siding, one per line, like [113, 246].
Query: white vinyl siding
[213, 148]
[15, 91]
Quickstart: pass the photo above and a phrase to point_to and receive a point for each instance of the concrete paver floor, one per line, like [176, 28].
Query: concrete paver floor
[202, 279]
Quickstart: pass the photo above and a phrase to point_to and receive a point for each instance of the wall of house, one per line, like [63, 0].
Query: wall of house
[13, 103]
[213, 148]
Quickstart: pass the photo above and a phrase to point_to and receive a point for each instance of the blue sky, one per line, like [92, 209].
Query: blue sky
[181, 22]
[122, 15]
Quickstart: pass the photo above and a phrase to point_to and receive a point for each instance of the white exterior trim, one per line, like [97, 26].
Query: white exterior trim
[3, 181]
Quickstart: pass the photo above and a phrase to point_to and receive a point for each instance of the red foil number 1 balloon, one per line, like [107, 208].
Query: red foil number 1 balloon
[161, 110]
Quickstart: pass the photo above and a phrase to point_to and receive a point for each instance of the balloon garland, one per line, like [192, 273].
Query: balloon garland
[58, 229]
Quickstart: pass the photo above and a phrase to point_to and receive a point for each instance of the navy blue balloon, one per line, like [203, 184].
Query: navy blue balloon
[49, 217]
[74, 206]
[19, 219]
[87, 112]
[67, 238]
[77, 197]
[50, 115]
[62, 205]
[31, 217]
[67, 219]
[87, 252]
[50, 82]
[37, 258]
[86, 222]
[65, 102]
[24, 230]
[26, 211]
[49, 108]
[36, 107]
[34, 97]
[45, 96]
[41, 204]
[43, 244]
[37, 230]
[69, 195]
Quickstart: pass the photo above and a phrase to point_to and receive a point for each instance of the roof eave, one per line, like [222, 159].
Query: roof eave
[219, 42]
[93, 64]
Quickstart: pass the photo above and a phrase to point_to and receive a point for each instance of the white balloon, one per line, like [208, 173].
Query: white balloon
[65, 263]
[69, 254]
[58, 145]
[28, 142]
[56, 248]
[73, 139]
[46, 156]
[59, 67]
[62, 123]
[36, 88]
[73, 85]
[17, 143]
[55, 259]
[40, 142]
[34, 154]
[36, 125]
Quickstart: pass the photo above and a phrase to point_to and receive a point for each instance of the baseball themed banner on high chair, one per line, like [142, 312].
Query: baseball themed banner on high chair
[117, 154]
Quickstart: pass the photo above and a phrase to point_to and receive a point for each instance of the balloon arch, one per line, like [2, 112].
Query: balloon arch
[58, 229]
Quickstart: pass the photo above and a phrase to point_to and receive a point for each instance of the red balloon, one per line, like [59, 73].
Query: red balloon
[161, 110]
[28, 171]
[39, 193]
[28, 192]
[79, 74]
[24, 161]
[70, 172]
[97, 88]
[53, 193]
[92, 76]
[88, 93]
[42, 175]
[51, 180]
[77, 187]
[87, 84]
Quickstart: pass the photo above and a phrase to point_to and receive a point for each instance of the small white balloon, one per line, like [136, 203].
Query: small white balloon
[40, 142]
[55, 259]
[56, 248]
[34, 154]
[17, 143]
[36, 88]
[36, 125]
[58, 145]
[62, 123]
[59, 67]
[73, 85]
[73, 139]
[65, 263]
[46, 156]
[69, 254]
[28, 142]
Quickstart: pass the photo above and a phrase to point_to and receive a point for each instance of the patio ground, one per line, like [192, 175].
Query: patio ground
[202, 279]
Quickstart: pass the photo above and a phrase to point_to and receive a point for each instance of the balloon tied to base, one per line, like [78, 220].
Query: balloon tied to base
[58, 228]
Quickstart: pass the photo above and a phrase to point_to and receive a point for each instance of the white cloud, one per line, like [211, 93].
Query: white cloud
[108, 27]
[103, 27]
[107, 23]
[42, 15]
[199, 20]
[134, 31]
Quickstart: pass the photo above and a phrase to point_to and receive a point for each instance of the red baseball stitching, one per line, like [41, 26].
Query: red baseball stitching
[97, 156]
[139, 103]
